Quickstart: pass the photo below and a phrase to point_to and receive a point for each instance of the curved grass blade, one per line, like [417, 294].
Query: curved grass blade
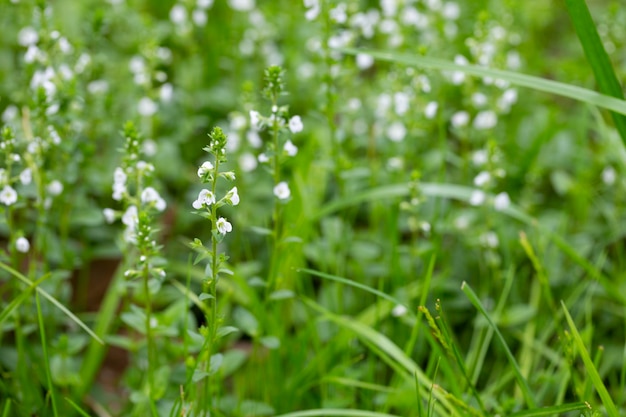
[523, 384]
[352, 284]
[53, 300]
[597, 57]
[592, 372]
[535, 83]
[550, 411]
[336, 412]
[15, 303]
[46, 359]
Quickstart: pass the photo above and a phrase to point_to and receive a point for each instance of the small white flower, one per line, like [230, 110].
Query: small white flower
[204, 4]
[399, 311]
[223, 226]
[431, 110]
[199, 17]
[477, 198]
[26, 176]
[281, 190]
[27, 36]
[241, 5]
[295, 124]
[130, 217]
[205, 198]
[205, 168]
[166, 92]
[147, 107]
[144, 166]
[8, 195]
[313, 9]
[178, 14]
[255, 119]
[479, 99]
[55, 188]
[482, 178]
[486, 119]
[609, 175]
[460, 119]
[149, 147]
[501, 201]
[364, 61]
[233, 196]
[22, 244]
[451, 11]
[490, 240]
[150, 195]
[263, 158]
[109, 215]
[118, 191]
[480, 157]
[401, 103]
[396, 132]
[247, 162]
[290, 148]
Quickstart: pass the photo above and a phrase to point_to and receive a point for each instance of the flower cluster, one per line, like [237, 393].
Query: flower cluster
[206, 203]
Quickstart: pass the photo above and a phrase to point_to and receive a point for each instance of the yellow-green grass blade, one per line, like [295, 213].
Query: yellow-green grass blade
[551, 411]
[523, 384]
[597, 57]
[336, 412]
[522, 80]
[592, 372]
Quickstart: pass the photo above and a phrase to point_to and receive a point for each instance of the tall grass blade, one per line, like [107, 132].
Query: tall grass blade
[535, 83]
[336, 412]
[590, 367]
[46, 359]
[597, 57]
[523, 384]
[550, 411]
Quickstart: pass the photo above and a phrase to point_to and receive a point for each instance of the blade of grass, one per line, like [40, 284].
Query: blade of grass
[523, 384]
[590, 367]
[17, 301]
[535, 83]
[338, 412]
[46, 359]
[597, 57]
[7, 408]
[77, 408]
[549, 411]
[53, 300]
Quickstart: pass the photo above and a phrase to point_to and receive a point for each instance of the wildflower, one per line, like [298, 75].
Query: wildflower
[241, 5]
[609, 175]
[399, 311]
[313, 9]
[166, 92]
[178, 14]
[55, 188]
[451, 11]
[477, 197]
[8, 195]
[501, 201]
[281, 190]
[223, 226]
[290, 148]
[431, 110]
[109, 215]
[131, 217]
[364, 61]
[247, 162]
[22, 244]
[205, 198]
[263, 158]
[255, 119]
[460, 119]
[205, 168]
[489, 239]
[146, 107]
[479, 99]
[27, 36]
[479, 157]
[482, 178]
[232, 196]
[26, 176]
[401, 103]
[150, 195]
[295, 124]
[119, 176]
[486, 119]
[396, 132]
[199, 17]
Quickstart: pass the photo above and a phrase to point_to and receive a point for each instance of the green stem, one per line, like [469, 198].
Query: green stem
[149, 337]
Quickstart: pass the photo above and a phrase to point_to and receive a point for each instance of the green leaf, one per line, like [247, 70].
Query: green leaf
[535, 83]
[597, 57]
[592, 372]
[225, 330]
[246, 321]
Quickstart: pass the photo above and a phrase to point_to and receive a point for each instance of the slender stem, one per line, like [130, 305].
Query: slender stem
[149, 335]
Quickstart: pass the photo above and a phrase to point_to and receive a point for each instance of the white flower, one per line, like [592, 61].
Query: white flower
[263, 158]
[281, 190]
[451, 11]
[399, 310]
[144, 166]
[489, 239]
[313, 9]
[150, 195]
[223, 226]
[205, 198]
[27, 36]
[479, 99]
[364, 61]
[290, 148]
[26, 176]
[178, 14]
[247, 162]
[204, 4]
[199, 17]
[460, 119]
[482, 178]
[109, 215]
[146, 107]
[166, 92]
[22, 244]
[233, 196]
[55, 188]
[255, 119]
[295, 124]
[477, 198]
[401, 103]
[118, 191]
[501, 201]
[241, 5]
[486, 119]
[609, 175]
[8, 195]
[396, 132]
[205, 168]
[431, 109]
[130, 217]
